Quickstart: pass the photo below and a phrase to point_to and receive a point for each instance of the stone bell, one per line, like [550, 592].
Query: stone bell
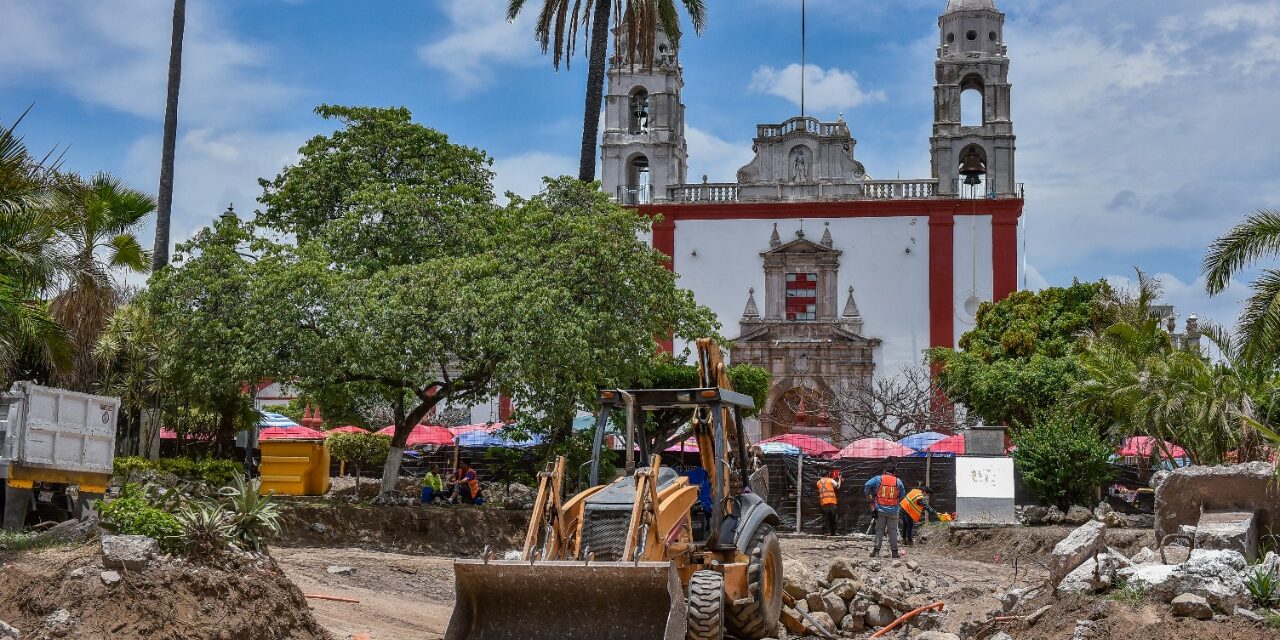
[972, 166]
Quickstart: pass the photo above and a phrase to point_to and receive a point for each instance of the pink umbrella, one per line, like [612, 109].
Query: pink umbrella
[808, 444]
[953, 445]
[423, 434]
[875, 448]
[346, 429]
[290, 433]
[1144, 446]
[690, 446]
[487, 427]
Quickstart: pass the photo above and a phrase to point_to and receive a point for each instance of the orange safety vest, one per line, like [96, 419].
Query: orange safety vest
[474, 484]
[826, 491]
[888, 494]
[912, 504]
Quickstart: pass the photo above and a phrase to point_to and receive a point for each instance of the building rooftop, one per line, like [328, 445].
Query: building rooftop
[970, 5]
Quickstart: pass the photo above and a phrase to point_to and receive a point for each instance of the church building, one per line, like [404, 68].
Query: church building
[820, 271]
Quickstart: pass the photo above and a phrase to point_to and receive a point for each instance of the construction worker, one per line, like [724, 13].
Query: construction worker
[913, 507]
[884, 492]
[827, 487]
[432, 485]
[466, 484]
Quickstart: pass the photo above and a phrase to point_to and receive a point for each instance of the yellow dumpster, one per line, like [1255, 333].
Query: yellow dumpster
[295, 467]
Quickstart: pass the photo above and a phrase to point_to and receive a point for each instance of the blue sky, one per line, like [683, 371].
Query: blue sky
[1145, 128]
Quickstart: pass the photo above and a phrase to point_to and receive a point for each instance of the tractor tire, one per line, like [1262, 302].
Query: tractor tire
[759, 618]
[706, 607]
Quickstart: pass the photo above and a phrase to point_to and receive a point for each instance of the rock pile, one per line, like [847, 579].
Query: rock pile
[855, 595]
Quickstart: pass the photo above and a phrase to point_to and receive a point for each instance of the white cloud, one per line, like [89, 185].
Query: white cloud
[825, 89]
[479, 40]
[714, 157]
[522, 173]
[213, 169]
[115, 53]
[1141, 127]
[1190, 298]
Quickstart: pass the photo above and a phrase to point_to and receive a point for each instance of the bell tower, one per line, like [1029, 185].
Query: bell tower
[644, 148]
[973, 143]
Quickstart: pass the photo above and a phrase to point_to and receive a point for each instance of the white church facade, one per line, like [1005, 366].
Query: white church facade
[820, 272]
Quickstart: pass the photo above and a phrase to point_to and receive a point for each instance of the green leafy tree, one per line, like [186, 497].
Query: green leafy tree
[666, 428]
[359, 450]
[134, 366]
[1062, 458]
[205, 304]
[556, 30]
[1019, 359]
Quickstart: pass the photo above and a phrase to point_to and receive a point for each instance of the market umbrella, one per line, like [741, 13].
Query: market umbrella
[919, 441]
[1145, 446]
[268, 419]
[946, 447]
[808, 444]
[295, 432]
[492, 436]
[779, 447]
[690, 445]
[423, 434]
[875, 448]
[347, 429]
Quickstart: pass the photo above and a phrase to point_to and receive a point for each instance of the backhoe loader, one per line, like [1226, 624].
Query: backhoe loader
[631, 559]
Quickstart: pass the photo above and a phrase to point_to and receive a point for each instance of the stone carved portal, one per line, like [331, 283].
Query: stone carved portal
[802, 339]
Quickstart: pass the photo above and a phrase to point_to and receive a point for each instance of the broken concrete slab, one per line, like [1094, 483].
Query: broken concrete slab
[878, 616]
[1189, 605]
[1098, 574]
[1182, 495]
[835, 606]
[1145, 556]
[1236, 530]
[1073, 550]
[842, 567]
[128, 552]
[797, 579]
[109, 578]
[1214, 575]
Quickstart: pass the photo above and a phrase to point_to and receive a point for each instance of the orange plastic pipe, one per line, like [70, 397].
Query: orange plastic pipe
[937, 605]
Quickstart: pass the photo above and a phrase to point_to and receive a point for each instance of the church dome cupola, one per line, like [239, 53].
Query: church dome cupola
[954, 6]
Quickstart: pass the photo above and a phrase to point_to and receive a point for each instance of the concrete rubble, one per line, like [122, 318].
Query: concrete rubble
[132, 553]
[857, 595]
[1236, 530]
[1182, 495]
[1215, 575]
[9, 631]
[1189, 605]
[1096, 574]
[1078, 546]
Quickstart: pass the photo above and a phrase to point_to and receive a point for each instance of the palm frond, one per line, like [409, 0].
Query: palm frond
[1257, 236]
[1259, 325]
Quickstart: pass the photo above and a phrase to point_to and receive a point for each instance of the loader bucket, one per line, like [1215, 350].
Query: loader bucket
[558, 600]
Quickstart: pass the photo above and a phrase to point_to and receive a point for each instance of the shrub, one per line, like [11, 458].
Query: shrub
[216, 472]
[219, 472]
[254, 518]
[1062, 458]
[1130, 594]
[1263, 586]
[131, 515]
[126, 466]
[206, 528]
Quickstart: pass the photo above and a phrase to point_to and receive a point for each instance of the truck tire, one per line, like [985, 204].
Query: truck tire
[706, 606]
[17, 503]
[759, 618]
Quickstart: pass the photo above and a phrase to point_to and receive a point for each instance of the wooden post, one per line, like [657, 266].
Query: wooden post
[928, 465]
[799, 488]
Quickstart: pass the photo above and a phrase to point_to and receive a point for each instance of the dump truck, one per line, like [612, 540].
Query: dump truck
[635, 558]
[50, 440]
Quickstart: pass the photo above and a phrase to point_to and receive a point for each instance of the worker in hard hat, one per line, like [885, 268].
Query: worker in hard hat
[827, 487]
[913, 507]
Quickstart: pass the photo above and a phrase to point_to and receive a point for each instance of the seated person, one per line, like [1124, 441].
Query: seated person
[465, 485]
[432, 485]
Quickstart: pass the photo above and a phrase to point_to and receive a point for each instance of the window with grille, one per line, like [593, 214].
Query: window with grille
[802, 296]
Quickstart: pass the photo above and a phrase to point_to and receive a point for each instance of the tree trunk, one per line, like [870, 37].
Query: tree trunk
[596, 66]
[164, 204]
[404, 425]
[391, 470]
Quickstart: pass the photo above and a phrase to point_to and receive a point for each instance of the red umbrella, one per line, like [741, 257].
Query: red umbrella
[290, 433]
[953, 445]
[347, 429]
[808, 444]
[423, 434]
[1144, 446]
[690, 445]
[487, 427]
[875, 448]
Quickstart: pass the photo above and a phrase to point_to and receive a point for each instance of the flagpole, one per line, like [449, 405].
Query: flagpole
[802, 56]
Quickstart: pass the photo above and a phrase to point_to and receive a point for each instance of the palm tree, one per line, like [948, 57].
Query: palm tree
[103, 217]
[1256, 238]
[556, 30]
[32, 255]
[160, 253]
[132, 353]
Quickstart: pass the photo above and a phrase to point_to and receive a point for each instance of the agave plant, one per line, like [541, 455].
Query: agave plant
[254, 518]
[1264, 586]
[206, 528]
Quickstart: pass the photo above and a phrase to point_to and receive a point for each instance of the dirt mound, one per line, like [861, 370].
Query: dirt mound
[450, 531]
[999, 544]
[1114, 619]
[57, 593]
